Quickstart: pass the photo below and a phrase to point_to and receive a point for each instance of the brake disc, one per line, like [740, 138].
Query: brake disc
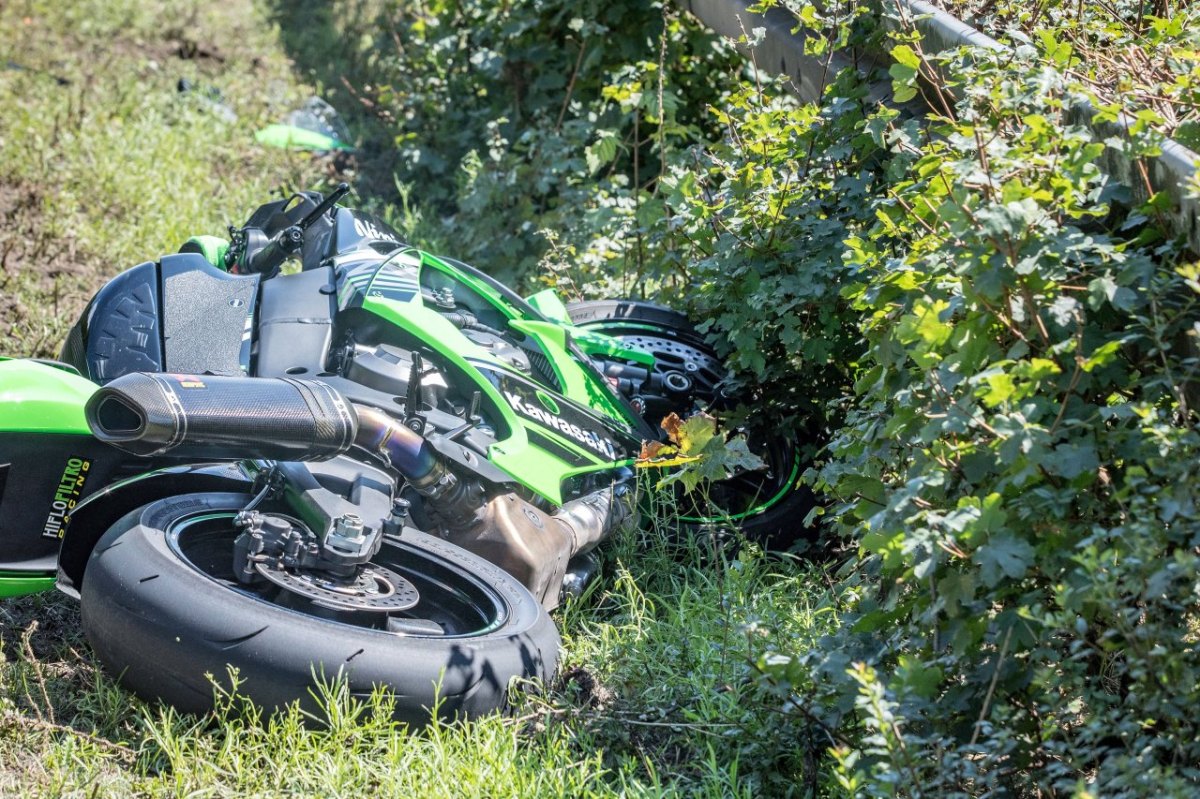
[373, 589]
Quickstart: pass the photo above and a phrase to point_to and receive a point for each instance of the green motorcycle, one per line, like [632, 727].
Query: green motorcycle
[383, 466]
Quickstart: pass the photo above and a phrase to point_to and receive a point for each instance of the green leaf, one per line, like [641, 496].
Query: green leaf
[904, 55]
[1000, 386]
[955, 591]
[1099, 290]
[1003, 556]
[1071, 460]
[1056, 51]
[918, 678]
[1102, 355]
[602, 151]
[924, 324]
[988, 518]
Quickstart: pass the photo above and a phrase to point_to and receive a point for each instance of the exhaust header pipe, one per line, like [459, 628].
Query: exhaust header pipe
[222, 418]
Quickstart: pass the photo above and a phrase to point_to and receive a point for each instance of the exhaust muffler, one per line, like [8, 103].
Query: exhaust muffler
[222, 418]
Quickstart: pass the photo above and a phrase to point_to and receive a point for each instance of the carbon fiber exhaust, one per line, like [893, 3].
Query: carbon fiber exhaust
[222, 418]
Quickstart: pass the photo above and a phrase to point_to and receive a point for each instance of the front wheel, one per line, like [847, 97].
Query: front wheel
[163, 611]
[769, 505]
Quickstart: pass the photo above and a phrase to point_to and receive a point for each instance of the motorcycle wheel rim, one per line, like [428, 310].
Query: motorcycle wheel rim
[458, 602]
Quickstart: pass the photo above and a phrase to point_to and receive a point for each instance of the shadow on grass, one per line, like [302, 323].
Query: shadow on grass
[313, 34]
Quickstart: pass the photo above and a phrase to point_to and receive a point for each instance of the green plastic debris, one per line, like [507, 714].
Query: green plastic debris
[316, 127]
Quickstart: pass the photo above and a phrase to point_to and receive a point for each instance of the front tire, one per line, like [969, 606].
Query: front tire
[769, 507]
[163, 612]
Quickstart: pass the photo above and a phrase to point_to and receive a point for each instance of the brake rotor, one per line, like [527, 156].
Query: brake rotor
[374, 589]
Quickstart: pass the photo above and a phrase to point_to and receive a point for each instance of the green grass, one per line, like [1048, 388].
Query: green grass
[116, 166]
[657, 696]
[657, 693]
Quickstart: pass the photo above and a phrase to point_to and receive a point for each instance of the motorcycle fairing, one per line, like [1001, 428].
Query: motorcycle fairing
[579, 434]
[537, 453]
[49, 462]
[396, 279]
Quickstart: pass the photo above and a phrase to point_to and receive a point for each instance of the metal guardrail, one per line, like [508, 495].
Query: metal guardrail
[780, 50]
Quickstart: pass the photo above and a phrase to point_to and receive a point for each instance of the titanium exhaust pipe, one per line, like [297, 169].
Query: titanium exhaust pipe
[403, 449]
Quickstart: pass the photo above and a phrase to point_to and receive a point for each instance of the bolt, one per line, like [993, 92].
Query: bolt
[348, 526]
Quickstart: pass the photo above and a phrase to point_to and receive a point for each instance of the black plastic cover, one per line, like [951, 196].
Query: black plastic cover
[206, 316]
[295, 324]
[119, 332]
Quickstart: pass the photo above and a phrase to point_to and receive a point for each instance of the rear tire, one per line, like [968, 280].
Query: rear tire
[775, 514]
[162, 611]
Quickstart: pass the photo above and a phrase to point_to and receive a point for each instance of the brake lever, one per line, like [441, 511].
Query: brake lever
[341, 191]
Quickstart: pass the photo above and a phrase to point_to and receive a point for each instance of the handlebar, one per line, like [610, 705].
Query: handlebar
[289, 241]
[267, 260]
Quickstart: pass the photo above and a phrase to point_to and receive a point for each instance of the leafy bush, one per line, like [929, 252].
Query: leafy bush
[1004, 355]
[510, 119]
[1015, 460]
[996, 354]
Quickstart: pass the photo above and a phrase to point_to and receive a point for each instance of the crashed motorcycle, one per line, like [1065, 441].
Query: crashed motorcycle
[379, 465]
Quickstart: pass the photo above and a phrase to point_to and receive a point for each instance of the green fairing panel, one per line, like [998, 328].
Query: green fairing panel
[19, 584]
[578, 383]
[213, 248]
[551, 305]
[594, 343]
[535, 467]
[590, 342]
[290, 137]
[39, 398]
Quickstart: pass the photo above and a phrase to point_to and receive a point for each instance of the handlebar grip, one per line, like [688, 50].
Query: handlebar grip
[268, 260]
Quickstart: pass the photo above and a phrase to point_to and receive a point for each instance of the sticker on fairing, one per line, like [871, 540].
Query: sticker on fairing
[568, 421]
[600, 444]
[66, 495]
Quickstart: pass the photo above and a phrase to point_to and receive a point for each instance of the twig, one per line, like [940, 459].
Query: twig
[15, 718]
[39, 678]
[662, 112]
[987, 700]
[562, 112]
